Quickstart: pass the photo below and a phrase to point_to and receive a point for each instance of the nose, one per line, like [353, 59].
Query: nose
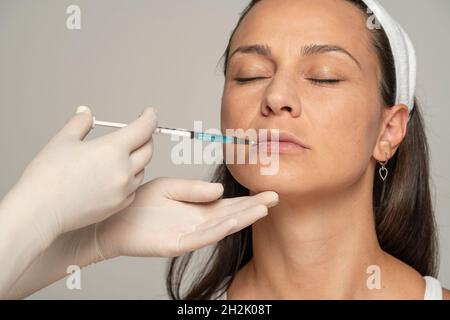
[281, 98]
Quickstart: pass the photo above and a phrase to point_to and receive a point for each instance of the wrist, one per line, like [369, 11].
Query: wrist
[104, 247]
[85, 250]
[30, 214]
[97, 248]
[20, 215]
[23, 236]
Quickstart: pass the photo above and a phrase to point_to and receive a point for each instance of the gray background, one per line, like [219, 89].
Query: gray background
[133, 54]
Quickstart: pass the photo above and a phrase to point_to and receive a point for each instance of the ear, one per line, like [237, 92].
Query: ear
[392, 132]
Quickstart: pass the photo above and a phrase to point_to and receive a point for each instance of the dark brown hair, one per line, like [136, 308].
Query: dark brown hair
[404, 216]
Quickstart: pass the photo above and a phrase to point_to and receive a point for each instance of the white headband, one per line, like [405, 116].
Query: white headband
[403, 52]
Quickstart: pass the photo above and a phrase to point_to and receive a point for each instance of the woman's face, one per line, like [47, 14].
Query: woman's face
[318, 81]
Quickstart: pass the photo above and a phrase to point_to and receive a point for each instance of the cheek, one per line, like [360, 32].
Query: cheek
[227, 115]
[240, 106]
[345, 140]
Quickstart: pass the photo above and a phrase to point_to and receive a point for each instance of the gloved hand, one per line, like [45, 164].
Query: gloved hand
[170, 217]
[71, 184]
[156, 224]
[76, 183]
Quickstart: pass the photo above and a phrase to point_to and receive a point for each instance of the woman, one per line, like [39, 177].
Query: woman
[344, 227]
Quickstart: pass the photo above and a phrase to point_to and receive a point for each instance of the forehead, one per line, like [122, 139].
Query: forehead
[289, 24]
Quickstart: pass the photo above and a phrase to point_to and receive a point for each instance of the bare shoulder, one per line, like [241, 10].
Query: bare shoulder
[445, 294]
[401, 280]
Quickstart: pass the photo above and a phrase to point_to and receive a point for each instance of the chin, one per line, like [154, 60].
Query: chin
[284, 182]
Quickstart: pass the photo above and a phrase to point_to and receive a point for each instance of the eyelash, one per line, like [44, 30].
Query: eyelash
[325, 81]
[314, 81]
[244, 80]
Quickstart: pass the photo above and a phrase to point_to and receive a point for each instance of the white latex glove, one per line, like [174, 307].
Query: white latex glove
[83, 182]
[154, 225]
[170, 217]
[71, 184]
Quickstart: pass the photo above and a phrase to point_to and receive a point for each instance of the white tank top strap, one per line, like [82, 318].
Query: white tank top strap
[433, 289]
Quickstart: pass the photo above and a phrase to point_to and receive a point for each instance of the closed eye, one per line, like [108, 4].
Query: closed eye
[244, 80]
[324, 81]
[315, 81]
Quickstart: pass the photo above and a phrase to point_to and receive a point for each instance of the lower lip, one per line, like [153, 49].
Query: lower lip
[283, 147]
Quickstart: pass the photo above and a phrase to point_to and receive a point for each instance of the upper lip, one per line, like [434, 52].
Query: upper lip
[284, 136]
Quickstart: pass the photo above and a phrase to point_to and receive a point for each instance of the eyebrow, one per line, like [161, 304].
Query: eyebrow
[307, 50]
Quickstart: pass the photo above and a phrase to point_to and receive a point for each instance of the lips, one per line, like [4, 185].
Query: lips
[287, 142]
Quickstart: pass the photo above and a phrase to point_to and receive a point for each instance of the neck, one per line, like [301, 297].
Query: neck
[313, 248]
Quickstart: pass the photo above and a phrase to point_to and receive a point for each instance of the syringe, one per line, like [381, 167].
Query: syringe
[183, 133]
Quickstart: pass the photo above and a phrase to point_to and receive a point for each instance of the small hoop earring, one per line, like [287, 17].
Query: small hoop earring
[383, 171]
